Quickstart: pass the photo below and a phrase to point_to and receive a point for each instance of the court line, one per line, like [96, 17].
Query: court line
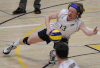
[17, 50]
[20, 26]
[92, 9]
[6, 13]
[92, 48]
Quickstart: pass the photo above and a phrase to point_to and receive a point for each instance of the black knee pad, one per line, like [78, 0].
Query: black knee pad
[25, 40]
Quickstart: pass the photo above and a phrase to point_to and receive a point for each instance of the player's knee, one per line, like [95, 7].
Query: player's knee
[25, 40]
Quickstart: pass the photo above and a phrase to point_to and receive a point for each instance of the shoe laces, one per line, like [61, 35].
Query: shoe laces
[10, 47]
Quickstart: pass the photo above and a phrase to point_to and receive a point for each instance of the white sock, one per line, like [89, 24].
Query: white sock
[16, 43]
[53, 53]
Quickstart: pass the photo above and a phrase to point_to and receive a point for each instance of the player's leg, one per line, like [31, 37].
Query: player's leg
[37, 37]
[52, 57]
[30, 40]
[27, 40]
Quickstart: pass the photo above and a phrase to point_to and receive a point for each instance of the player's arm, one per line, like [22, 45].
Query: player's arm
[48, 18]
[86, 31]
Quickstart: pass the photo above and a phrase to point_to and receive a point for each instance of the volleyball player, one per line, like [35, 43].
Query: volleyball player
[68, 22]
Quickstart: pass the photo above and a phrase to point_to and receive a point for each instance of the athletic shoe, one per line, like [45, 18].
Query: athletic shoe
[8, 49]
[52, 58]
[19, 11]
[37, 11]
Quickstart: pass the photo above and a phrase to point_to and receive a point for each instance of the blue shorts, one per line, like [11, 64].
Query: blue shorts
[42, 34]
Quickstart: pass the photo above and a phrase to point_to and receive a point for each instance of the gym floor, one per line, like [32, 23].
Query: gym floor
[83, 49]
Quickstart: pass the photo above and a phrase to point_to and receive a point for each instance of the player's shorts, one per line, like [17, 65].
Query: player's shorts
[42, 34]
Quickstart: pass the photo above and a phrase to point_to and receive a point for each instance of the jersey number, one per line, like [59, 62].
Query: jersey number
[63, 27]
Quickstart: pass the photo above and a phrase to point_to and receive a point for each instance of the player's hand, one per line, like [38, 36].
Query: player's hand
[95, 31]
[48, 31]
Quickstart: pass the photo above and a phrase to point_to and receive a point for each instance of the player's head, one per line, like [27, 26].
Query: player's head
[75, 10]
[62, 50]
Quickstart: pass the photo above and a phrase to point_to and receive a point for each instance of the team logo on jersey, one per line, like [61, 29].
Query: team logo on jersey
[72, 24]
[72, 65]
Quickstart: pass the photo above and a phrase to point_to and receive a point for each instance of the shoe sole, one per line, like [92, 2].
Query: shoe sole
[37, 13]
[5, 53]
[17, 14]
[51, 64]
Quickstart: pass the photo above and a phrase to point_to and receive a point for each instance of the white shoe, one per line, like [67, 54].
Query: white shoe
[52, 62]
[8, 49]
[52, 58]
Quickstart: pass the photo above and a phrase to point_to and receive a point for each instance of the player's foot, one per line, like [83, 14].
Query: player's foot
[37, 11]
[19, 11]
[8, 49]
[52, 62]
[52, 58]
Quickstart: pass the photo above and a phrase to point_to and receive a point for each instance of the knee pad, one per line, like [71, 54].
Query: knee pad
[25, 40]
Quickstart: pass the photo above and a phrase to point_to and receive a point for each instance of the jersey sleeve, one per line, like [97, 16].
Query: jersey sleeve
[63, 11]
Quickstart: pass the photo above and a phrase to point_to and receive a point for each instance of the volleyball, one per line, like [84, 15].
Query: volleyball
[55, 35]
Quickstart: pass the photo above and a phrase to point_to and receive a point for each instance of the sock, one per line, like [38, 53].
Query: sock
[53, 53]
[16, 43]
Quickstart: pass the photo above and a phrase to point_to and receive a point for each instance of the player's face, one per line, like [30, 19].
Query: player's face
[72, 14]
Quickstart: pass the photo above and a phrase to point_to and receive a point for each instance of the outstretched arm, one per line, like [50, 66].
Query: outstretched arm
[48, 18]
[86, 31]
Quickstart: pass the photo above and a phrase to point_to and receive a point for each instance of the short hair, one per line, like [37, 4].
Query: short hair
[81, 8]
[62, 50]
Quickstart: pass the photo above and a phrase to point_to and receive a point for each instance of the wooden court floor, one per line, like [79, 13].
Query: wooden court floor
[83, 49]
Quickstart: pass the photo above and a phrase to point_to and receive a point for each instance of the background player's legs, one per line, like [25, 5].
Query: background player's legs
[37, 6]
[23, 4]
[21, 8]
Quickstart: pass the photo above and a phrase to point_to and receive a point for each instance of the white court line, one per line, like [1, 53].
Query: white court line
[20, 26]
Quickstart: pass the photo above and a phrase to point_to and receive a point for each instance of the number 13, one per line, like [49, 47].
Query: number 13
[63, 27]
